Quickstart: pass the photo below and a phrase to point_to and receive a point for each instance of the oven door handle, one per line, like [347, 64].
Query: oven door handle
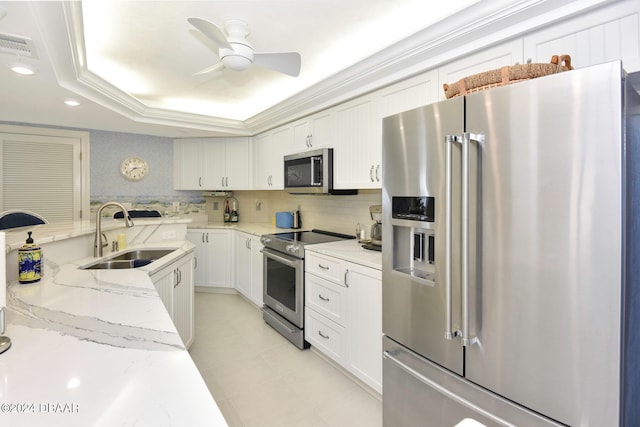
[291, 262]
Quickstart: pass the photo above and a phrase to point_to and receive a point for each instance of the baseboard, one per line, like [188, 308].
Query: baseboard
[348, 374]
[213, 290]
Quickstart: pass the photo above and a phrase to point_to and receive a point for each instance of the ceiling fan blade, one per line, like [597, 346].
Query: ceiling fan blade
[285, 62]
[214, 67]
[210, 30]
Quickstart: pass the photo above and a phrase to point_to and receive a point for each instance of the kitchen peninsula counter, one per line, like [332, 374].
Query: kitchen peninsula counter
[98, 348]
[255, 228]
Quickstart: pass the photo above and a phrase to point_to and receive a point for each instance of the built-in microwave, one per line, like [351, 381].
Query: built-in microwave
[311, 172]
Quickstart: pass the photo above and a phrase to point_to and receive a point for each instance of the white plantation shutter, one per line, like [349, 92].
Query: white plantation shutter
[41, 174]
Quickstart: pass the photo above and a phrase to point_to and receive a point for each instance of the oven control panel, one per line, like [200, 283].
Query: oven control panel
[293, 249]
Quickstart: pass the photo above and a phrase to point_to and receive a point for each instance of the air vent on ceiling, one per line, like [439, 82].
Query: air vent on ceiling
[17, 45]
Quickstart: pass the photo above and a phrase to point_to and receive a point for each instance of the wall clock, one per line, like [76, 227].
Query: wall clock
[134, 168]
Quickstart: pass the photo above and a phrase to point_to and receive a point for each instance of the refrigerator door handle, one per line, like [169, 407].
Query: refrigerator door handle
[388, 354]
[449, 333]
[467, 138]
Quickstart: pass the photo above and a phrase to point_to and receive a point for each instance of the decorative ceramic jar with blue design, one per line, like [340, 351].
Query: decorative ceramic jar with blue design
[29, 262]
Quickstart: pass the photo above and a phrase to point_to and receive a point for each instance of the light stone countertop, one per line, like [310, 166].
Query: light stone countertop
[47, 233]
[349, 250]
[98, 348]
[255, 228]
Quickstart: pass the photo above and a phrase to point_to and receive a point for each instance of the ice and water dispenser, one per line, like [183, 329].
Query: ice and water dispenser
[414, 236]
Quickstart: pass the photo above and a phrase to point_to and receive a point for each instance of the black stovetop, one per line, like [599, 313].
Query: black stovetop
[311, 236]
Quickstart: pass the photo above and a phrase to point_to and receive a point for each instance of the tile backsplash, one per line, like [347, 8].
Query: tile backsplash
[334, 213]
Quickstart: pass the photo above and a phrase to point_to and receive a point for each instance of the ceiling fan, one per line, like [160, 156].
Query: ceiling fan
[236, 53]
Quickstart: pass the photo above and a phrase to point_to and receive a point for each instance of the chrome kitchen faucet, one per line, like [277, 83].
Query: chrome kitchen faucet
[97, 243]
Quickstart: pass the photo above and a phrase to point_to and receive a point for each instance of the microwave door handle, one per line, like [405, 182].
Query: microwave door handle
[314, 160]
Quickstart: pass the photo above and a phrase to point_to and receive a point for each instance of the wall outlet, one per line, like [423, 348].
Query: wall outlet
[176, 206]
[258, 205]
[215, 205]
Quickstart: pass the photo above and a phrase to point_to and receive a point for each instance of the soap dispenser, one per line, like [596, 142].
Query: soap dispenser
[29, 262]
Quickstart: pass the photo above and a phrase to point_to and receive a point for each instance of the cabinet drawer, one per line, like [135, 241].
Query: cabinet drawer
[326, 298]
[327, 336]
[326, 267]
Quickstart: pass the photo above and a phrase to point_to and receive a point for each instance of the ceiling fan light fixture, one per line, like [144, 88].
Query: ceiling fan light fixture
[236, 62]
[236, 53]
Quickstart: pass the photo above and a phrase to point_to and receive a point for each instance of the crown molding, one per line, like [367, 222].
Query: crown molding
[480, 26]
[484, 24]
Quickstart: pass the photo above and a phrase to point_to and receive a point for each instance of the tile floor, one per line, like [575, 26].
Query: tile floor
[260, 379]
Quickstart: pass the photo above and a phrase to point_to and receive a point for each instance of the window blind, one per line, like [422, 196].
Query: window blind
[39, 174]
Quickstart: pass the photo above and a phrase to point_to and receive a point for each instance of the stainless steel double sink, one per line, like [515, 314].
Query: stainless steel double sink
[131, 259]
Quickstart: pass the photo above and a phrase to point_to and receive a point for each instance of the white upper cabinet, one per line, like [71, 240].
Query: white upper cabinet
[408, 94]
[315, 131]
[358, 149]
[268, 151]
[261, 145]
[212, 154]
[236, 163]
[188, 171]
[211, 164]
[607, 34]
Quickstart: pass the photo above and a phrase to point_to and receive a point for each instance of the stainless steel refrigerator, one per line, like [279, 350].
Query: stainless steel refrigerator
[510, 266]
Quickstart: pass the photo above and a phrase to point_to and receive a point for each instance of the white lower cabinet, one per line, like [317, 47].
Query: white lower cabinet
[343, 314]
[248, 264]
[326, 336]
[174, 284]
[212, 257]
[364, 353]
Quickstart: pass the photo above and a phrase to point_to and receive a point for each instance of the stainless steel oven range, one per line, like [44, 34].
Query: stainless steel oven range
[283, 276]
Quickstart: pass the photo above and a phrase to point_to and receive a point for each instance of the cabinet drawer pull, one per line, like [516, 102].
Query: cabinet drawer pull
[323, 298]
[324, 267]
[326, 337]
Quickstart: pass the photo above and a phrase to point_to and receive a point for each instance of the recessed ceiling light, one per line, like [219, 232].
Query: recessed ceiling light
[72, 103]
[23, 69]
